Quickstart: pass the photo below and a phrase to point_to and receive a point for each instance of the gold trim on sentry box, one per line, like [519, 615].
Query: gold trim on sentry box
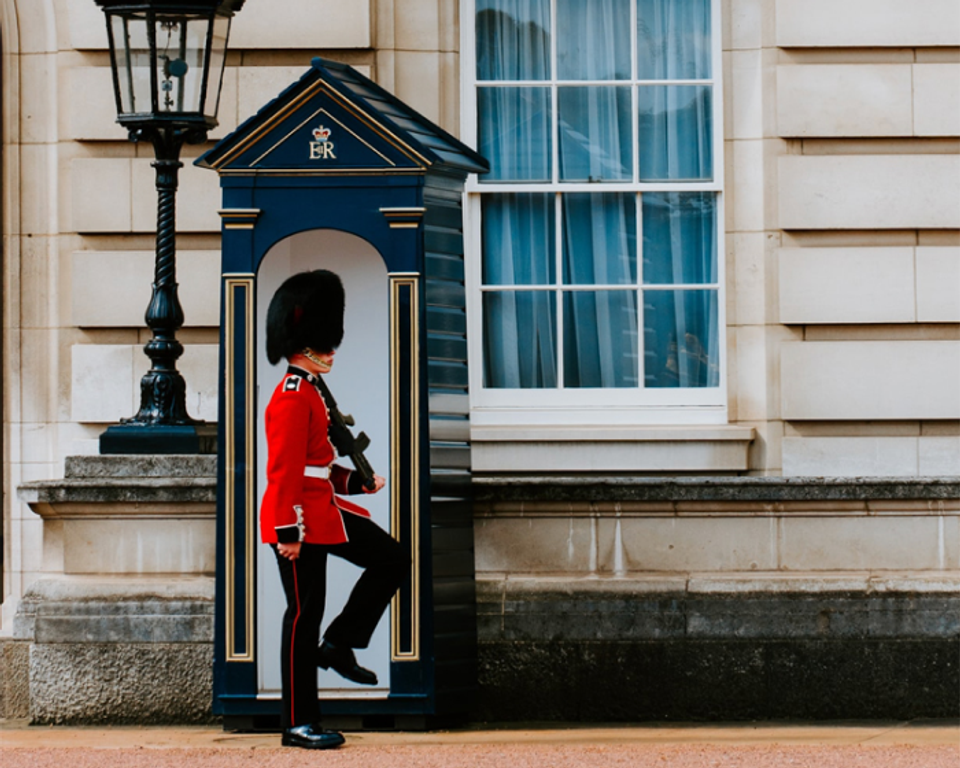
[239, 218]
[234, 285]
[405, 649]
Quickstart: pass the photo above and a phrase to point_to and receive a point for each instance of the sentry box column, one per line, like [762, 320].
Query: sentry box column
[336, 173]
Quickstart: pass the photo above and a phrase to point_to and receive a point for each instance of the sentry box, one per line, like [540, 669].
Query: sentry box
[336, 173]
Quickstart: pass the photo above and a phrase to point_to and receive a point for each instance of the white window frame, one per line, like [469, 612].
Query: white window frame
[588, 406]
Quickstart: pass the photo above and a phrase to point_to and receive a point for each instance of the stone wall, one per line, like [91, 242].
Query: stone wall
[718, 598]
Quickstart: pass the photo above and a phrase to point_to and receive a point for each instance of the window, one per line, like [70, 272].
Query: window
[598, 275]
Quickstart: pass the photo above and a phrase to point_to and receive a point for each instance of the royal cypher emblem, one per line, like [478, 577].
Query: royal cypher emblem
[321, 148]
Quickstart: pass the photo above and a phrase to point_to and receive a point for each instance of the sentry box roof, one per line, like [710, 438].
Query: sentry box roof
[335, 121]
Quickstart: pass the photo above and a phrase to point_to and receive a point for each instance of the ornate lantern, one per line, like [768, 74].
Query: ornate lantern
[167, 58]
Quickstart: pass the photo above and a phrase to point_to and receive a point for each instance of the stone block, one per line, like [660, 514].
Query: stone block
[870, 380]
[748, 182]
[417, 25]
[102, 382]
[37, 109]
[86, 26]
[748, 20]
[417, 81]
[101, 195]
[869, 192]
[867, 23]
[14, 679]
[850, 456]
[936, 99]
[752, 369]
[938, 285]
[940, 456]
[847, 285]
[535, 545]
[139, 546]
[844, 100]
[745, 96]
[310, 25]
[632, 544]
[93, 117]
[859, 543]
[112, 288]
[260, 85]
[117, 683]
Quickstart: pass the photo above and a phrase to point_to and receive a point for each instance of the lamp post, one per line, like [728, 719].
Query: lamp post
[167, 58]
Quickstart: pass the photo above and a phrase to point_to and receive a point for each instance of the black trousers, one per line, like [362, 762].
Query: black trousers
[386, 566]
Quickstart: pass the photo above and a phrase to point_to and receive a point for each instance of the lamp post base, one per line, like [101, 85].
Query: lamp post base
[159, 439]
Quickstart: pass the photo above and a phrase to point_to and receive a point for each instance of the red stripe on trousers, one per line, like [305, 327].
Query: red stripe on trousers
[293, 636]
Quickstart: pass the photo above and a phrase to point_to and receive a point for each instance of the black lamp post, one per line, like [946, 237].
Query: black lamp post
[167, 58]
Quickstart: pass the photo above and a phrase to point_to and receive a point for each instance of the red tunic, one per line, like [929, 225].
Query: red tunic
[296, 507]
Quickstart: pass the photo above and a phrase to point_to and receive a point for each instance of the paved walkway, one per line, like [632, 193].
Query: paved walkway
[931, 744]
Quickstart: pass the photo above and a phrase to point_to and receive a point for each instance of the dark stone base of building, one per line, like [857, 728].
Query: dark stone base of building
[625, 650]
[719, 680]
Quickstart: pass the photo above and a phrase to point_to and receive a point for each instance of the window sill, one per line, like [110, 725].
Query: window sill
[595, 449]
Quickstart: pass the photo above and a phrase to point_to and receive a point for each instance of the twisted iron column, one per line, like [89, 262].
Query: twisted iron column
[162, 389]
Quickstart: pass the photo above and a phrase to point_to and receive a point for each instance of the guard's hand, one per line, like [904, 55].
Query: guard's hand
[378, 483]
[289, 551]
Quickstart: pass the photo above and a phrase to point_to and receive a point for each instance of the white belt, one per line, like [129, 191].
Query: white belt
[322, 472]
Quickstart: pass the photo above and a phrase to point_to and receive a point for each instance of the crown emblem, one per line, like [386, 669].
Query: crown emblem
[320, 133]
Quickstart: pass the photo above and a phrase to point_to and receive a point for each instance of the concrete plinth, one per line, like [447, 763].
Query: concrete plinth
[120, 629]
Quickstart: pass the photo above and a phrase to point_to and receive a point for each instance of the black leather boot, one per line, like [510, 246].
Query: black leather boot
[344, 663]
[311, 737]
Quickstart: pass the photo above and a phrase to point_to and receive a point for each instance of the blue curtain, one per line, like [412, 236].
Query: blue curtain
[519, 327]
[673, 39]
[593, 39]
[681, 327]
[600, 327]
[513, 39]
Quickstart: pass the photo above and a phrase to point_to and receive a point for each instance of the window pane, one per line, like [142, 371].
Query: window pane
[599, 339]
[599, 239]
[679, 237]
[593, 39]
[596, 135]
[518, 239]
[681, 339]
[673, 39]
[515, 133]
[676, 133]
[519, 339]
[513, 39]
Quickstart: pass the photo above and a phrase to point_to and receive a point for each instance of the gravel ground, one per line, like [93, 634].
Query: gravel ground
[495, 756]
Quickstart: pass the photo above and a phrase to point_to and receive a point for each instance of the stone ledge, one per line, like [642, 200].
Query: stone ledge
[77, 609]
[737, 490]
[134, 490]
[90, 467]
[490, 585]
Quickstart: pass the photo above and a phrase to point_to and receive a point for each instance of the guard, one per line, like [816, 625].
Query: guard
[303, 518]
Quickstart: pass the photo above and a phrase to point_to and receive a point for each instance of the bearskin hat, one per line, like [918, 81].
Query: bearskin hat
[306, 311]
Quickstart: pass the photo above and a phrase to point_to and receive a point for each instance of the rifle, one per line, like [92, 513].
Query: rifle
[343, 439]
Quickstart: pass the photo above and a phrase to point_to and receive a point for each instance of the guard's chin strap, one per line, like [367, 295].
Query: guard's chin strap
[323, 365]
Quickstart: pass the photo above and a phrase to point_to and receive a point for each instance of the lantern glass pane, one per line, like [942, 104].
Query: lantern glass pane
[181, 48]
[132, 51]
[218, 54]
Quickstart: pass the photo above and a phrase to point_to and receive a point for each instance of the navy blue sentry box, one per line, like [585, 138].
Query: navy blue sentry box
[336, 153]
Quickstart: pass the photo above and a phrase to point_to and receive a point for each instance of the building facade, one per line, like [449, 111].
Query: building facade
[712, 318]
